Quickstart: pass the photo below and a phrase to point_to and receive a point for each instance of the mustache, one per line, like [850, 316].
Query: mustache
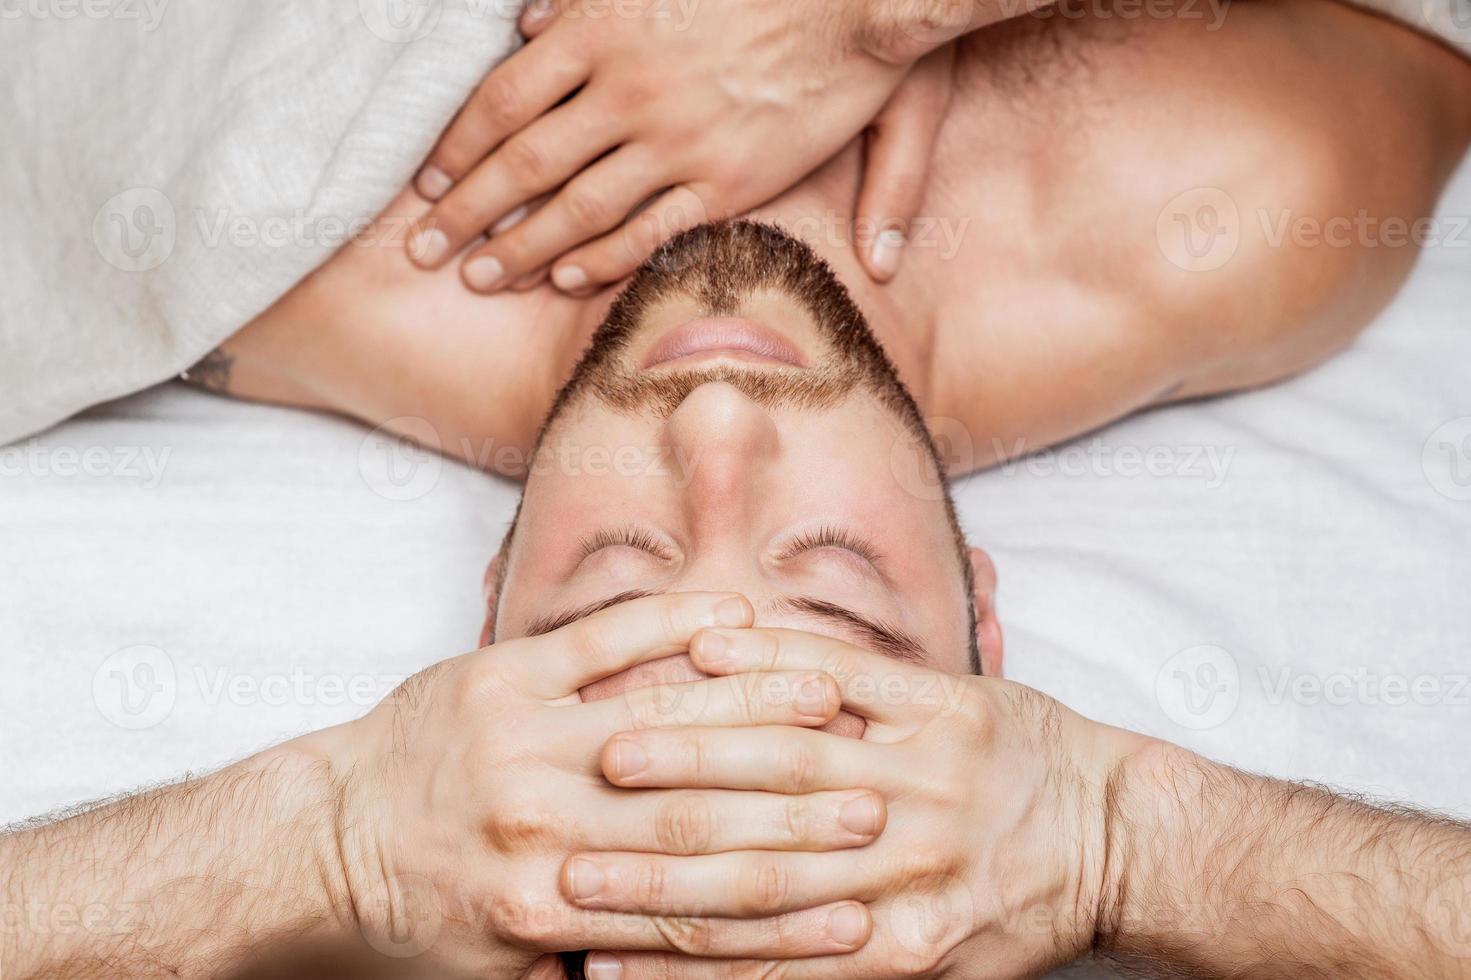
[663, 392]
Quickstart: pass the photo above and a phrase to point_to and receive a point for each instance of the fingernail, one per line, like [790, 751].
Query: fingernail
[484, 273]
[629, 758]
[429, 246]
[885, 252]
[602, 966]
[712, 648]
[846, 925]
[860, 816]
[733, 612]
[537, 11]
[569, 278]
[433, 183]
[511, 220]
[812, 698]
[584, 878]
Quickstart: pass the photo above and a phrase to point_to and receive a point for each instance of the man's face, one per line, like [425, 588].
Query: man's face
[734, 426]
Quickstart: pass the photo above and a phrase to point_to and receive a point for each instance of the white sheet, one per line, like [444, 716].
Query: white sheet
[269, 551]
[170, 167]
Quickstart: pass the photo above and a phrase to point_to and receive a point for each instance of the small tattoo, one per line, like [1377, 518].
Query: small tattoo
[212, 373]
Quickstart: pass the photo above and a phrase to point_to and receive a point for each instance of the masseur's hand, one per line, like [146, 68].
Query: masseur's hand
[463, 795]
[677, 115]
[991, 863]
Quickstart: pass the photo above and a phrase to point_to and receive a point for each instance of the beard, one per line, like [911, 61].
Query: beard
[721, 265]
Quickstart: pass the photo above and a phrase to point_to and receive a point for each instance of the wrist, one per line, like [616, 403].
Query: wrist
[1173, 816]
[310, 792]
[900, 32]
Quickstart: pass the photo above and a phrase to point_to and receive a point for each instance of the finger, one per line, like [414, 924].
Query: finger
[873, 686]
[537, 16]
[739, 884]
[591, 203]
[826, 930]
[629, 965]
[536, 159]
[686, 822]
[779, 698]
[617, 254]
[619, 637]
[777, 759]
[519, 89]
[901, 141]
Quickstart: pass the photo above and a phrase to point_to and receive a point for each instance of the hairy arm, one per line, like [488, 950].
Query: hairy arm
[1214, 872]
[185, 880]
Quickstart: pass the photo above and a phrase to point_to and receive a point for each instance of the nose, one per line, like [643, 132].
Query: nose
[725, 443]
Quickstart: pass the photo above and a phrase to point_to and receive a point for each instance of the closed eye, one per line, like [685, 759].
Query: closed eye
[829, 536]
[623, 537]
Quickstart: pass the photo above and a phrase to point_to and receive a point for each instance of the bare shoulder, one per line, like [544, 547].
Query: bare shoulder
[371, 336]
[1150, 196]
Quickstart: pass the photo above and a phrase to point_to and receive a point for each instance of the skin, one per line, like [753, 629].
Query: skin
[1055, 310]
[1015, 802]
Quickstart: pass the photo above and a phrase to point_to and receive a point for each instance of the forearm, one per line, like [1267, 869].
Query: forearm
[184, 880]
[1219, 873]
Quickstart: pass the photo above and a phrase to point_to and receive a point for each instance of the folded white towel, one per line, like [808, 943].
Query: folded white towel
[171, 167]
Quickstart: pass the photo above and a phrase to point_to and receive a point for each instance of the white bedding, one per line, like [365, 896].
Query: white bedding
[274, 587]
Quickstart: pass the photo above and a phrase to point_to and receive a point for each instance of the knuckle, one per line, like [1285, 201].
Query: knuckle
[649, 883]
[798, 820]
[498, 101]
[798, 768]
[524, 161]
[768, 888]
[925, 960]
[588, 644]
[587, 208]
[690, 936]
[522, 914]
[702, 758]
[684, 825]
[522, 827]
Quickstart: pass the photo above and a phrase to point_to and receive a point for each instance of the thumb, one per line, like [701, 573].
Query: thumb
[896, 170]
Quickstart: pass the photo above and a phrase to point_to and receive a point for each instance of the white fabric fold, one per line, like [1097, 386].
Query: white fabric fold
[171, 167]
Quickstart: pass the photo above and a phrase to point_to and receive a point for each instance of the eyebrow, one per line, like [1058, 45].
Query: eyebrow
[888, 639]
